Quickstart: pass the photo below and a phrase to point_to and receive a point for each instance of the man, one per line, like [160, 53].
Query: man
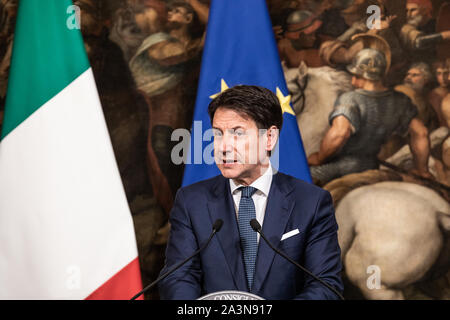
[246, 121]
[301, 41]
[159, 68]
[415, 86]
[340, 52]
[363, 119]
[158, 64]
[418, 35]
[441, 72]
[151, 16]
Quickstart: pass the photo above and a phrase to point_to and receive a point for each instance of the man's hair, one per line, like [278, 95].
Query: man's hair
[424, 68]
[440, 64]
[181, 3]
[257, 103]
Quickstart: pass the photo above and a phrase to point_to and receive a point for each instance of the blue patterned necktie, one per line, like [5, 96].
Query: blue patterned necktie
[248, 237]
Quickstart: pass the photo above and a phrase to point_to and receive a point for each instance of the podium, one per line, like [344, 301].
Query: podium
[230, 295]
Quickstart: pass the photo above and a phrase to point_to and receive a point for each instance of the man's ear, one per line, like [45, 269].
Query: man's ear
[273, 134]
[189, 17]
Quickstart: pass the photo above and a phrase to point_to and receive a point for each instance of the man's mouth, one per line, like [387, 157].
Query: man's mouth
[229, 161]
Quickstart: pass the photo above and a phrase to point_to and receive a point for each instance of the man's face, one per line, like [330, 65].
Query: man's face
[442, 77]
[358, 82]
[240, 150]
[178, 16]
[413, 14]
[415, 79]
[307, 40]
[300, 40]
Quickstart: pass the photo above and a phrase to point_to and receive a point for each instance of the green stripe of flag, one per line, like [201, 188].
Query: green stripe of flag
[47, 57]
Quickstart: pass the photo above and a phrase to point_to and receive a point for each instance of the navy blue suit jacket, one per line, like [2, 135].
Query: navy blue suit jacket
[291, 204]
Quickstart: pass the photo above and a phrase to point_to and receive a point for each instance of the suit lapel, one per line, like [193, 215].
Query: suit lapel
[278, 210]
[221, 206]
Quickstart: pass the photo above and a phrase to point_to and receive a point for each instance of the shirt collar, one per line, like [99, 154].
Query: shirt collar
[262, 183]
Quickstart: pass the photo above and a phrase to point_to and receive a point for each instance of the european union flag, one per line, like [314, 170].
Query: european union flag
[240, 48]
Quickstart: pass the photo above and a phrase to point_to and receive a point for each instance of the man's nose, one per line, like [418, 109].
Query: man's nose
[227, 143]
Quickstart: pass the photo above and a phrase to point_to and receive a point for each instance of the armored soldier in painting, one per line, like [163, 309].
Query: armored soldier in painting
[363, 119]
[301, 40]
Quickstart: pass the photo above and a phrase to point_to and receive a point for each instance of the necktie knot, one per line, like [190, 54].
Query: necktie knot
[247, 192]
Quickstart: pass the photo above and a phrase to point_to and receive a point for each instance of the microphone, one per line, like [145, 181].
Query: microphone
[257, 228]
[216, 228]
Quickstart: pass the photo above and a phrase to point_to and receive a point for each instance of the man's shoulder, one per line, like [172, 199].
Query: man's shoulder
[298, 185]
[306, 196]
[286, 181]
[401, 90]
[349, 97]
[360, 96]
[203, 186]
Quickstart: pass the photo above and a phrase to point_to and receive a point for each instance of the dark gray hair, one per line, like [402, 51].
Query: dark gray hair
[424, 68]
[258, 103]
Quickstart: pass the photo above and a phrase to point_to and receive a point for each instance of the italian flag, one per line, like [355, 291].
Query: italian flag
[66, 230]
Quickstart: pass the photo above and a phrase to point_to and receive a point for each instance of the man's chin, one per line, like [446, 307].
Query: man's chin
[416, 21]
[416, 87]
[229, 172]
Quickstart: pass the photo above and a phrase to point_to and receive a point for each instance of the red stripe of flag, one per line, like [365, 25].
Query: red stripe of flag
[122, 286]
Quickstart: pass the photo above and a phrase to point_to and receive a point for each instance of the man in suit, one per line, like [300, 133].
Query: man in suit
[297, 217]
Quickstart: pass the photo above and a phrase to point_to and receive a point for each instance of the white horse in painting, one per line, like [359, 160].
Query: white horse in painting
[398, 232]
[314, 91]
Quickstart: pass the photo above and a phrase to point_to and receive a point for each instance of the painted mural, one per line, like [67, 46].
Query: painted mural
[390, 183]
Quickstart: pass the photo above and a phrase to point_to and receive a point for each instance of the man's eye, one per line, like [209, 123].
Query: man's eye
[217, 133]
[239, 132]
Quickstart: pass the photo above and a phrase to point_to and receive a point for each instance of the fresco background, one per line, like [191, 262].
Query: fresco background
[146, 57]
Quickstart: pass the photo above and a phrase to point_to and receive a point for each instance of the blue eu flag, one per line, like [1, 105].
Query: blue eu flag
[240, 48]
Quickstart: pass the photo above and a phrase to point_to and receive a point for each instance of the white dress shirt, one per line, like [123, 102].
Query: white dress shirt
[262, 184]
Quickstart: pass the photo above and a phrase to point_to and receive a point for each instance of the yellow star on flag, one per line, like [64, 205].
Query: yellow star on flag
[223, 87]
[285, 102]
